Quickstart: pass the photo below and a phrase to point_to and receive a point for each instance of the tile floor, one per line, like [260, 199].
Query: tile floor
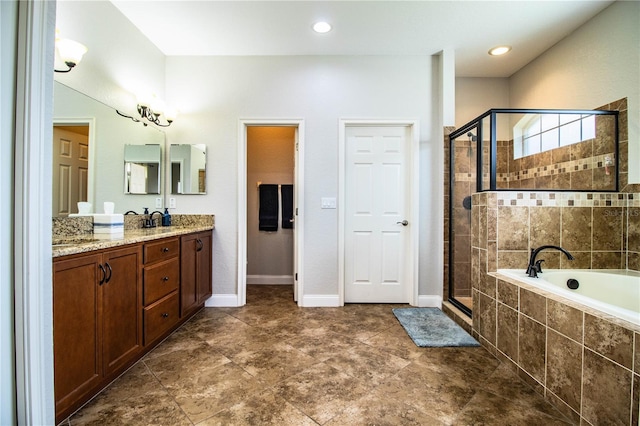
[271, 362]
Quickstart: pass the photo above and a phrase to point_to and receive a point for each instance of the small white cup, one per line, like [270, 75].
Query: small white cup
[84, 207]
[108, 207]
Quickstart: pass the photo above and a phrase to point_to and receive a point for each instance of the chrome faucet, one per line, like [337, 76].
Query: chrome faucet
[535, 267]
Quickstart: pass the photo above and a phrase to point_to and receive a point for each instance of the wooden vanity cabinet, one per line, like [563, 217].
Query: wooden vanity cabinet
[97, 321]
[195, 271]
[112, 306]
[161, 287]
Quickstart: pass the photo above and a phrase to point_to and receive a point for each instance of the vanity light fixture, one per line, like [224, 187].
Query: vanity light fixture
[150, 109]
[70, 52]
[499, 50]
[322, 27]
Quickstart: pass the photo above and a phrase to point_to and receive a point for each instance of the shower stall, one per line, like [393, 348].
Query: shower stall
[521, 150]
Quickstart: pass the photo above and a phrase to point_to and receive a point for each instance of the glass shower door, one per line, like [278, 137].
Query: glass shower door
[463, 167]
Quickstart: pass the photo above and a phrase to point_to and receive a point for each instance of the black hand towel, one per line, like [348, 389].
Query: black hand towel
[268, 214]
[286, 192]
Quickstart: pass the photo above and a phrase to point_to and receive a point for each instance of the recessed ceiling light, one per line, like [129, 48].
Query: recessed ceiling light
[322, 27]
[499, 50]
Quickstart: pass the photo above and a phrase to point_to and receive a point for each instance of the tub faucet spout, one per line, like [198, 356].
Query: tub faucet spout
[535, 266]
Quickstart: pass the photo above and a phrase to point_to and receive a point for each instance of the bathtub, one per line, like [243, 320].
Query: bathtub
[612, 291]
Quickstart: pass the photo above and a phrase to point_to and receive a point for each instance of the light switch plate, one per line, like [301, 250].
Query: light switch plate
[158, 203]
[172, 203]
[328, 202]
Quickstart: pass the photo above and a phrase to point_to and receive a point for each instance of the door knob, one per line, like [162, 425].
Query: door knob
[403, 223]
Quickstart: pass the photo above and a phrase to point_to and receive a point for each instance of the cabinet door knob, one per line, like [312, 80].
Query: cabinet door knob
[165, 249]
[165, 315]
[165, 279]
[199, 243]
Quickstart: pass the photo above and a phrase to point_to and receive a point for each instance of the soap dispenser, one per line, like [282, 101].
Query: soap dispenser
[166, 218]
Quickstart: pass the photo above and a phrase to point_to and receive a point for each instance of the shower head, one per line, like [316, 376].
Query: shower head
[471, 137]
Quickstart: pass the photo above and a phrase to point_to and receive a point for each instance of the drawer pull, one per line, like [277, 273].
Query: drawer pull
[165, 249]
[165, 279]
[104, 274]
[110, 273]
[165, 315]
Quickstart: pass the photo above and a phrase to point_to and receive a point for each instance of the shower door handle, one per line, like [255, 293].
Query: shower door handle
[403, 223]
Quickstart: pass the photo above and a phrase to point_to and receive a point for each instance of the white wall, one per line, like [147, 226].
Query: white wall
[597, 64]
[8, 39]
[475, 96]
[214, 93]
[120, 62]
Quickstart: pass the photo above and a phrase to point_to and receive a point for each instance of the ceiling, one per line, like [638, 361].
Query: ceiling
[469, 28]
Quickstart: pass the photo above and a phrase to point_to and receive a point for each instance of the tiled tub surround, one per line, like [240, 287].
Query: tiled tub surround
[75, 235]
[586, 363]
[613, 292]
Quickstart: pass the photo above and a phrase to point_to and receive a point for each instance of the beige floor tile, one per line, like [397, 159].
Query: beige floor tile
[136, 398]
[262, 409]
[377, 409]
[367, 363]
[489, 409]
[274, 363]
[271, 362]
[321, 392]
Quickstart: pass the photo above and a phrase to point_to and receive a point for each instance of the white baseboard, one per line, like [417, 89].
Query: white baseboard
[430, 301]
[321, 301]
[222, 301]
[270, 279]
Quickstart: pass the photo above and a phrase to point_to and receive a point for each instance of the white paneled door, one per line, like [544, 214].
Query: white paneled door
[70, 170]
[377, 214]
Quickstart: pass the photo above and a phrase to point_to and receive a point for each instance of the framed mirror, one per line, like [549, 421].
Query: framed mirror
[142, 169]
[188, 168]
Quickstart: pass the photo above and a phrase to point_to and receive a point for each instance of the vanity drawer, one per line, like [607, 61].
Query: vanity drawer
[160, 317]
[161, 279]
[161, 250]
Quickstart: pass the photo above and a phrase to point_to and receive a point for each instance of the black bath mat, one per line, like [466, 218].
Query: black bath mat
[430, 327]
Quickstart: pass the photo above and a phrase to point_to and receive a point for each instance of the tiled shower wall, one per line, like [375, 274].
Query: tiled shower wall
[582, 166]
[467, 170]
[587, 165]
[601, 230]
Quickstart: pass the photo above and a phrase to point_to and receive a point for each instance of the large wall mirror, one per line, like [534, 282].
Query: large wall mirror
[88, 155]
[188, 168]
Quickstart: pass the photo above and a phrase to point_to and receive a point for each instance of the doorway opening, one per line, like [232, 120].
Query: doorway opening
[269, 207]
[270, 222]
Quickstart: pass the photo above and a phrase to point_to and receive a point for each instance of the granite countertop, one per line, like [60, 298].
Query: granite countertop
[64, 246]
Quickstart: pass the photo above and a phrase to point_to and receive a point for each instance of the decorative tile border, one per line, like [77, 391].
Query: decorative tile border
[567, 199]
[590, 163]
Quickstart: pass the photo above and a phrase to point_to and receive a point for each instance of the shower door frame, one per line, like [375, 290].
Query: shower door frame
[475, 124]
[478, 126]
